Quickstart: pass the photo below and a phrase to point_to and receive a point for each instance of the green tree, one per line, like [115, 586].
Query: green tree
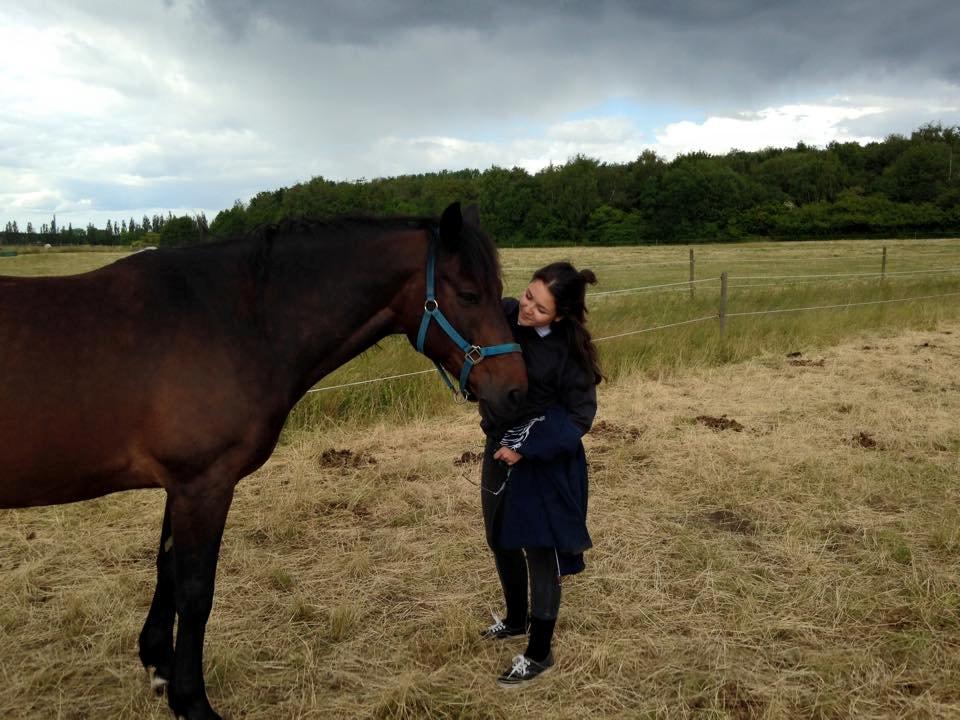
[696, 198]
[641, 182]
[569, 193]
[612, 226]
[918, 174]
[505, 199]
[805, 176]
[180, 231]
[230, 223]
[777, 192]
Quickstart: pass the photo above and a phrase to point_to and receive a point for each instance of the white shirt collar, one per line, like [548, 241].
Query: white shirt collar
[543, 331]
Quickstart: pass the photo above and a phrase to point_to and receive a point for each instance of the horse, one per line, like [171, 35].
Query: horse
[177, 368]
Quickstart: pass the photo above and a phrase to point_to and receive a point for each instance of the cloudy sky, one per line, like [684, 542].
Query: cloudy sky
[117, 108]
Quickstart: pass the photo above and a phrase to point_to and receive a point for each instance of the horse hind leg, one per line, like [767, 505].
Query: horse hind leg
[156, 638]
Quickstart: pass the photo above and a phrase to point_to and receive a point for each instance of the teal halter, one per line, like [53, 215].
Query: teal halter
[472, 354]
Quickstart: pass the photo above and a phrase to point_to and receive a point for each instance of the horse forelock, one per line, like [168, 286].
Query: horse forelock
[479, 258]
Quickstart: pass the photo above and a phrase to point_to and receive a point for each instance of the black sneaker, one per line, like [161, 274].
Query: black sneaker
[523, 670]
[501, 631]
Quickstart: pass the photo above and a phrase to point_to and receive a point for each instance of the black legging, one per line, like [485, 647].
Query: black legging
[515, 566]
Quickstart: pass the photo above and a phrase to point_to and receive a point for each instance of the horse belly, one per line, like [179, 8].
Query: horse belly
[40, 487]
[49, 470]
[58, 447]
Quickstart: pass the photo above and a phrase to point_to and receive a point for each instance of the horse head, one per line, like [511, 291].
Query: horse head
[462, 327]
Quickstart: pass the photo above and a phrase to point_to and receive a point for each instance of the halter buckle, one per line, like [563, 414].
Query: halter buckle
[474, 354]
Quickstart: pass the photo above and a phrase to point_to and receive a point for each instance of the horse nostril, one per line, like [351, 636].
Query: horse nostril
[515, 397]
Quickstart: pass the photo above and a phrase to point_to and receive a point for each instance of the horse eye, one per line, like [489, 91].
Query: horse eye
[469, 298]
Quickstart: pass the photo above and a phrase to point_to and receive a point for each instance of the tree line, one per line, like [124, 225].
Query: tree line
[899, 187]
[150, 230]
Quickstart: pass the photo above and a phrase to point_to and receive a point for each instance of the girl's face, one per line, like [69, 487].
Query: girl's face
[537, 306]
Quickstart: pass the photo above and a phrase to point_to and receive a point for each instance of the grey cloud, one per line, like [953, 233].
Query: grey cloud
[373, 21]
[771, 39]
[534, 58]
[240, 96]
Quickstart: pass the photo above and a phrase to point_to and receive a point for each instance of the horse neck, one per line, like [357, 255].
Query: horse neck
[327, 299]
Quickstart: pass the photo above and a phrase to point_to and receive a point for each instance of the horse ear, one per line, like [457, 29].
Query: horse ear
[451, 222]
[471, 216]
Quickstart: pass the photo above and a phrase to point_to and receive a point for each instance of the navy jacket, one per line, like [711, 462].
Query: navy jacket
[553, 377]
[545, 500]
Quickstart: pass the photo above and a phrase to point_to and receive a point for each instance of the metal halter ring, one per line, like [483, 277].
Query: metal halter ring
[474, 354]
[426, 303]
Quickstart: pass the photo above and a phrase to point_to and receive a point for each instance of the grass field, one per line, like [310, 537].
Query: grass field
[803, 565]
[32, 260]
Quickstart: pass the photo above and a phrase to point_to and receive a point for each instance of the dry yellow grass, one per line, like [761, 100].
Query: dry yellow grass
[804, 566]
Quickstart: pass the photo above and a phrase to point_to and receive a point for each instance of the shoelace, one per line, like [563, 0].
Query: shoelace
[498, 625]
[520, 666]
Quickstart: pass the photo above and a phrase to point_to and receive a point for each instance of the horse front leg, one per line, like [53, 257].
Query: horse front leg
[156, 638]
[198, 514]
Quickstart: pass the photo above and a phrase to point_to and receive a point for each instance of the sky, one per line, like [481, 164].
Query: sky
[112, 109]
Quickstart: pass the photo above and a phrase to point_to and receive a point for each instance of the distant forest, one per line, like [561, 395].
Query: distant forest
[900, 187]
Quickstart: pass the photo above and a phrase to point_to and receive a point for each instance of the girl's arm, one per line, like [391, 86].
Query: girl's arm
[578, 396]
[544, 437]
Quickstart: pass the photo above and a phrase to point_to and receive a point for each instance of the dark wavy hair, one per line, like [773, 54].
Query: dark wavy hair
[569, 289]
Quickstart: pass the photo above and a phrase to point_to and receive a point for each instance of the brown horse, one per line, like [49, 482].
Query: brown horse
[176, 369]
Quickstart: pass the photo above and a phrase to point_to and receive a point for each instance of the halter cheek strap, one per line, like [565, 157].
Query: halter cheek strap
[472, 354]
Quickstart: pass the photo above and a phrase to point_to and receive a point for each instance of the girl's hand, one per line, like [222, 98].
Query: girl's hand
[508, 456]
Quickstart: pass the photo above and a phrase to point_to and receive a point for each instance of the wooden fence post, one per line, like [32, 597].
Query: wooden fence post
[883, 266]
[691, 273]
[723, 304]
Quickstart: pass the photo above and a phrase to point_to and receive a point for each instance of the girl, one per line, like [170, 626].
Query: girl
[534, 476]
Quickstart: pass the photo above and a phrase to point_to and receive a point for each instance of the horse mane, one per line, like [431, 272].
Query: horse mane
[477, 252]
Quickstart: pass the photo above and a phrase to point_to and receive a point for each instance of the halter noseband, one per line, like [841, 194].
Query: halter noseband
[472, 354]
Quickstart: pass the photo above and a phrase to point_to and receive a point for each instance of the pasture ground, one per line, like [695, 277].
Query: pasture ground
[774, 538]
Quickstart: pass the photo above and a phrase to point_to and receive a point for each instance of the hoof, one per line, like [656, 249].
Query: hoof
[198, 711]
[158, 683]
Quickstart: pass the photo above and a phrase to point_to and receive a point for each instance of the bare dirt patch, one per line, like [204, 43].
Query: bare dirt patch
[468, 458]
[731, 522]
[866, 440]
[612, 431]
[719, 423]
[345, 458]
[808, 363]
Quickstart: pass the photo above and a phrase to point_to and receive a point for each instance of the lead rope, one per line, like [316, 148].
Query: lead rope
[499, 490]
